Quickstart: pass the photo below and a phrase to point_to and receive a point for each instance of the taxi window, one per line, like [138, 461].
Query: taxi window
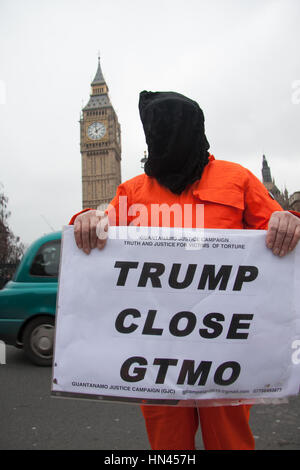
[46, 261]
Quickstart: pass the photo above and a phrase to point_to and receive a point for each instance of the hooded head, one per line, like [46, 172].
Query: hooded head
[175, 135]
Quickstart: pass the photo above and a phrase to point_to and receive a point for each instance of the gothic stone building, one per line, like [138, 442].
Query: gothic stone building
[287, 202]
[100, 146]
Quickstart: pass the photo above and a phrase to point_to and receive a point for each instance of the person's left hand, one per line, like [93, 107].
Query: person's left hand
[283, 232]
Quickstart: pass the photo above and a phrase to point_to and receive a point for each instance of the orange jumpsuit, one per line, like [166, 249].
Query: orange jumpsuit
[233, 198]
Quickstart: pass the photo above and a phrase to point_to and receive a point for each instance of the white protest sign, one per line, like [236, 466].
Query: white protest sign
[176, 316]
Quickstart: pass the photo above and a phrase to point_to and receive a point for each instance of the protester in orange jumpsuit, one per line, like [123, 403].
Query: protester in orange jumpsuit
[180, 170]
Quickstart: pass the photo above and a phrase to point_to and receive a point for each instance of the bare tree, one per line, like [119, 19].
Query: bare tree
[11, 247]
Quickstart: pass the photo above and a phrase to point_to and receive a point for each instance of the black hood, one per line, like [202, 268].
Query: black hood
[175, 135]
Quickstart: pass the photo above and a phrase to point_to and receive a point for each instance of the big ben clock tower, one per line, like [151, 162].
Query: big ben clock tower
[100, 146]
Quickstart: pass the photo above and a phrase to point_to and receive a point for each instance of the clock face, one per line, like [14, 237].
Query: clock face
[96, 131]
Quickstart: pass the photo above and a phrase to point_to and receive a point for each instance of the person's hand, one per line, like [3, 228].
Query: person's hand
[90, 230]
[283, 232]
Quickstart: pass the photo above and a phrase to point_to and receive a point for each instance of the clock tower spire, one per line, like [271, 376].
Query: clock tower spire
[100, 146]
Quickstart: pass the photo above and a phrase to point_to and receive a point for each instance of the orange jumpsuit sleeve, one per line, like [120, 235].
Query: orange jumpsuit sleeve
[72, 220]
[117, 209]
[123, 209]
[259, 204]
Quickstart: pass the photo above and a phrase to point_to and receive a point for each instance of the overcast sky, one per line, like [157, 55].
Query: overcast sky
[239, 59]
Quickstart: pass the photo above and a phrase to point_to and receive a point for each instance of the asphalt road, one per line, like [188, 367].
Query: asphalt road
[32, 419]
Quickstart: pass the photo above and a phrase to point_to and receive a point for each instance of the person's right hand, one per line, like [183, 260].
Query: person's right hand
[91, 230]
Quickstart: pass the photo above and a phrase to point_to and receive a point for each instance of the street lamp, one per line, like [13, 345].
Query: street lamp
[144, 159]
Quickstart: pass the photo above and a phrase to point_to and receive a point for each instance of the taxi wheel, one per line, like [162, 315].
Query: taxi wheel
[38, 340]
